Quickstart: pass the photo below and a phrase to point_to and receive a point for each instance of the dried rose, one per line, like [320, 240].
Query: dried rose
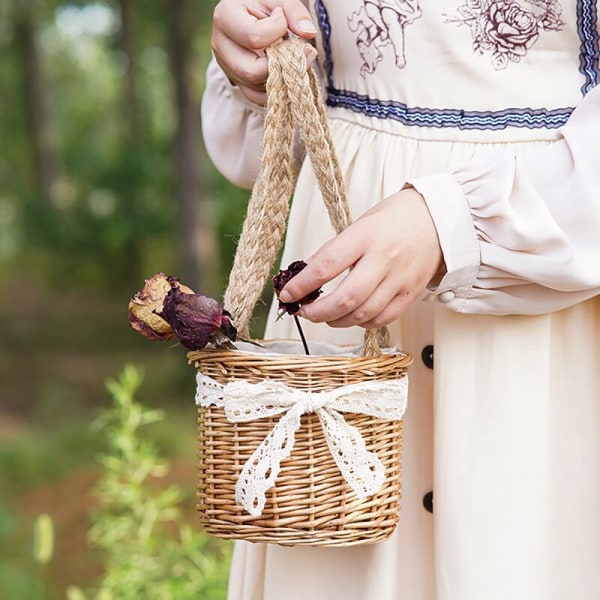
[281, 279]
[197, 320]
[145, 305]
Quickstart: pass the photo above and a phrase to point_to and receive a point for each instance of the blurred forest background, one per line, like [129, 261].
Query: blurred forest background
[103, 182]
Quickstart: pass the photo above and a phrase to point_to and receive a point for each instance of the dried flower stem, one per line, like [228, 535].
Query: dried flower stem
[301, 335]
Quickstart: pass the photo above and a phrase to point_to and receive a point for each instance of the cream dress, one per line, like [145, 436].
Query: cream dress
[471, 102]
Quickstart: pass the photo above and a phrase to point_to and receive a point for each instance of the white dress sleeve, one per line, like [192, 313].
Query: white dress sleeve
[232, 128]
[520, 232]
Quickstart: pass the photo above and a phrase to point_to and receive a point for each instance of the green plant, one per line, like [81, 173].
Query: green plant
[149, 552]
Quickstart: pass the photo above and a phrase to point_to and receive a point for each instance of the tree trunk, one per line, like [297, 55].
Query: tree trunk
[35, 96]
[196, 231]
[134, 139]
[134, 117]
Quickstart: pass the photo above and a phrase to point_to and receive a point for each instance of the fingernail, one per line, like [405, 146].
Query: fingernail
[285, 296]
[306, 26]
[310, 53]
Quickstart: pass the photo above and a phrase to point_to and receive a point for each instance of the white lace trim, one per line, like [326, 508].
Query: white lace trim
[244, 401]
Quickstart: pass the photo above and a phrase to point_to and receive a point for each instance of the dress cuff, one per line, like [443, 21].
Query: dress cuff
[450, 212]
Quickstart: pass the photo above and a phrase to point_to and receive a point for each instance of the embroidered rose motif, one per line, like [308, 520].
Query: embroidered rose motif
[511, 30]
[507, 29]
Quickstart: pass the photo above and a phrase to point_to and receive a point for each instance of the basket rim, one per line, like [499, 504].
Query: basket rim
[397, 358]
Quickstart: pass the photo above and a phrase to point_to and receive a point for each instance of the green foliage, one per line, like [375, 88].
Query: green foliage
[34, 458]
[149, 553]
[114, 200]
[69, 266]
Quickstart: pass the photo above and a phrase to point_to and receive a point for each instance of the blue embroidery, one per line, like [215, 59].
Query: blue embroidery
[448, 117]
[588, 53]
[465, 119]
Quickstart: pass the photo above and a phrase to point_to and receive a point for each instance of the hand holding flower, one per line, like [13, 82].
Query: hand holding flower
[392, 252]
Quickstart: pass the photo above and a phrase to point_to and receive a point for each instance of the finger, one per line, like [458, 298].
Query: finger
[245, 28]
[362, 289]
[371, 299]
[242, 66]
[385, 314]
[249, 68]
[391, 312]
[297, 16]
[257, 9]
[310, 54]
[331, 260]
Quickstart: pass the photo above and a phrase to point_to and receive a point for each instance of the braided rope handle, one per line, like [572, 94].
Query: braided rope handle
[293, 97]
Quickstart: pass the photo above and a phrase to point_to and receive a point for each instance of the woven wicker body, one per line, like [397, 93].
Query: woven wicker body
[310, 504]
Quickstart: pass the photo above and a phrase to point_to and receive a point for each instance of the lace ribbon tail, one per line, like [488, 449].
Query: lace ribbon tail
[363, 471]
[262, 468]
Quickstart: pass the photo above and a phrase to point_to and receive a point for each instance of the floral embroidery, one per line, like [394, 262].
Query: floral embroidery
[381, 23]
[525, 117]
[507, 29]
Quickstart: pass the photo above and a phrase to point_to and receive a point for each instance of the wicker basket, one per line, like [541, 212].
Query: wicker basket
[311, 501]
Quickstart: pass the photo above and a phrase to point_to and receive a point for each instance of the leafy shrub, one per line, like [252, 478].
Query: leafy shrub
[150, 553]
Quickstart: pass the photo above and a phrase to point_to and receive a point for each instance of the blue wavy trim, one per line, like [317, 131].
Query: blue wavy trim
[448, 117]
[587, 16]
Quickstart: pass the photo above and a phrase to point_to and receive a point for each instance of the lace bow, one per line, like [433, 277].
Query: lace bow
[244, 402]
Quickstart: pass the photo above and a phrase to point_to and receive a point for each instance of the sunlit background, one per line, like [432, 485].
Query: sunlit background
[103, 182]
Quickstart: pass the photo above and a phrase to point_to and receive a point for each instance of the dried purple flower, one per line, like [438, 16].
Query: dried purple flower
[281, 279]
[144, 307]
[197, 320]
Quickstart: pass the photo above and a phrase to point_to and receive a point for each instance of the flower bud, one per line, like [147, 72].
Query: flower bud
[147, 303]
[281, 279]
[197, 320]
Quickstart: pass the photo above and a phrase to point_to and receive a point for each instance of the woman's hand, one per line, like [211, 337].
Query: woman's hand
[393, 253]
[242, 29]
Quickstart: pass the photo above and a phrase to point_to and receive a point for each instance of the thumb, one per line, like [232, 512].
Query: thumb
[298, 18]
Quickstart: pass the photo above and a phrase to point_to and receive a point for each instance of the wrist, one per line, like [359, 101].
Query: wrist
[409, 190]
